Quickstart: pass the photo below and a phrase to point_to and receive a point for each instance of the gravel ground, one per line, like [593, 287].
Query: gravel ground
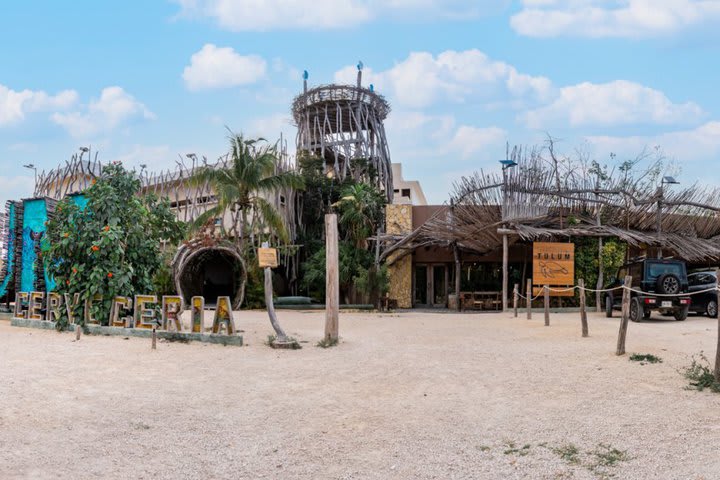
[413, 395]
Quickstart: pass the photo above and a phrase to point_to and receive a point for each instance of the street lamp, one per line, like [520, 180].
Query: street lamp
[31, 166]
[661, 195]
[505, 165]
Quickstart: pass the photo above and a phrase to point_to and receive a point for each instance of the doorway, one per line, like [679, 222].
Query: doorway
[430, 286]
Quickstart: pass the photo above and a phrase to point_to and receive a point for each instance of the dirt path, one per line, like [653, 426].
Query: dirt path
[408, 395]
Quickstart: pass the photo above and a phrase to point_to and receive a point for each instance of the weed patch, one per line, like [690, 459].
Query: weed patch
[700, 375]
[644, 358]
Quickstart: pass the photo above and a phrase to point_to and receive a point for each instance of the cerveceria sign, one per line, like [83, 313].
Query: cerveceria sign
[553, 265]
[50, 306]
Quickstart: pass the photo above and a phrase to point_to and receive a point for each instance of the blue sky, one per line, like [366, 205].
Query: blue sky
[144, 82]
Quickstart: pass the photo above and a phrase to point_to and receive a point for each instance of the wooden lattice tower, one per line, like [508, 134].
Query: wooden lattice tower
[343, 124]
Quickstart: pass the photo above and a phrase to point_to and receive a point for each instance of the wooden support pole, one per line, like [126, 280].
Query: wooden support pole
[458, 276]
[154, 339]
[78, 331]
[332, 279]
[546, 292]
[528, 298]
[625, 316]
[583, 310]
[717, 350]
[515, 299]
[505, 274]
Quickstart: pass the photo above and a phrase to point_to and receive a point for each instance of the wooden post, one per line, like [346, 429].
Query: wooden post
[78, 331]
[270, 305]
[505, 274]
[154, 339]
[458, 276]
[528, 298]
[332, 279]
[515, 299]
[717, 350]
[546, 292]
[625, 316]
[583, 312]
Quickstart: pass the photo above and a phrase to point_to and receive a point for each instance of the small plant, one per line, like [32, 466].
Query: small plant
[570, 453]
[512, 449]
[327, 343]
[701, 375]
[644, 358]
[608, 456]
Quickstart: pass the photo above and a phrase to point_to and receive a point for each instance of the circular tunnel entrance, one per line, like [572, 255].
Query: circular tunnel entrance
[210, 272]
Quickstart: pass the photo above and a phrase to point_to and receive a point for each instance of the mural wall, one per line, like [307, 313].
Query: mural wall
[25, 245]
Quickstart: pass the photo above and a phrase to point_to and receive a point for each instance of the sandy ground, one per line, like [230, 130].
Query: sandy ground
[407, 395]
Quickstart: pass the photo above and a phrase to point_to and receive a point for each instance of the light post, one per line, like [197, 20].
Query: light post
[505, 165]
[31, 166]
[661, 195]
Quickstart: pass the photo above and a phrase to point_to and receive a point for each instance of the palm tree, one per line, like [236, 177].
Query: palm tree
[242, 188]
[360, 207]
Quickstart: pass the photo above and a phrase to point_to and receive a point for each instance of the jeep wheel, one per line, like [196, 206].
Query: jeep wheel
[681, 314]
[668, 284]
[608, 306]
[636, 310]
[712, 309]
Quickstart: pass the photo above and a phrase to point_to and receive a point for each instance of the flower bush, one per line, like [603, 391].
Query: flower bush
[111, 245]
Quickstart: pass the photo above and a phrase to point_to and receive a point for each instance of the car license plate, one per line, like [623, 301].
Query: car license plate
[666, 304]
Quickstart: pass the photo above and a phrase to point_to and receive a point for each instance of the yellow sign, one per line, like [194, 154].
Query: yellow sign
[554, 265]
[267, 257]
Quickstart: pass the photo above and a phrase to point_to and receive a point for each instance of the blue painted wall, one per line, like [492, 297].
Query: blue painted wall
[10, 259]
[34, 217]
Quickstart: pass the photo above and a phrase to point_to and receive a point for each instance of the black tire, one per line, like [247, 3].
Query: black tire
[668, 284]
[636, 310]
[711, 309]
[681, 314]
[608, 306]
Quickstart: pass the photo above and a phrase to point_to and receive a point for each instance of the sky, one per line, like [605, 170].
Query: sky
[148, 82]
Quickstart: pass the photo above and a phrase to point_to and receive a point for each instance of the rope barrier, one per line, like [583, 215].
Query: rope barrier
[621, 287]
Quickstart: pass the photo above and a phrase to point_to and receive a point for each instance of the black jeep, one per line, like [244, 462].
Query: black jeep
[655, 278]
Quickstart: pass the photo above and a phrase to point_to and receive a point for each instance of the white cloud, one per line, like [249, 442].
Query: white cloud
[611, 104]
[260, 15]
[424, 79]
[701, 143]
[271, 126]
[222, 67]
[612, 18]
[114, 108]
[469, 141]
[14, 105]
[15, 187]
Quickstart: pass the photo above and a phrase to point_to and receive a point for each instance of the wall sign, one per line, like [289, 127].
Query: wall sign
[553, 265]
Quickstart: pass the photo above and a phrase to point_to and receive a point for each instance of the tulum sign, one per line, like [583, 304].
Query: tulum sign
[144, 315]
[553, 265]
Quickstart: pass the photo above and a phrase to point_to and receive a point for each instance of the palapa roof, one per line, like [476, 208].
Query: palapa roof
[546, 198]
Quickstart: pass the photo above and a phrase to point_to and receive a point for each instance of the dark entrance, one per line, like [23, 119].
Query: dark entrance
[211, 273]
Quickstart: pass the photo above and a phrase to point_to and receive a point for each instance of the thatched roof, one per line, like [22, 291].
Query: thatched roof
[546, 198]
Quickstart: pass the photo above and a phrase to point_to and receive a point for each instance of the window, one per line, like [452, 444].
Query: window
[406, 192]
[396, 191]
[282, 200]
